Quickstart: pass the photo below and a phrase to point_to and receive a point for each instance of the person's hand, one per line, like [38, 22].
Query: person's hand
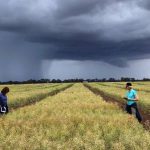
[125, 98]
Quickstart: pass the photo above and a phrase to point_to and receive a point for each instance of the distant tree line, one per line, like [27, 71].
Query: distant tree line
[32, 81]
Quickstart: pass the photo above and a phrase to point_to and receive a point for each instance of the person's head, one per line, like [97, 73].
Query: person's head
[5, 90]
[128, 86]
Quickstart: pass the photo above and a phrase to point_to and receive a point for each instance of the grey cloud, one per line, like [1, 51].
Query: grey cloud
[144, 4]
[112, 31]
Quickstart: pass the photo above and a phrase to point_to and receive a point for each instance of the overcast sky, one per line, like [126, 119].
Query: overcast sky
[74, 39]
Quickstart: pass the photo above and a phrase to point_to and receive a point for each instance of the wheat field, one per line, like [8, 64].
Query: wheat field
[74, 119]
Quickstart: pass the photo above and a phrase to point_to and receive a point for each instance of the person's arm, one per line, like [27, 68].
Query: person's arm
[132, 99]
[136, 98]
[2, 103]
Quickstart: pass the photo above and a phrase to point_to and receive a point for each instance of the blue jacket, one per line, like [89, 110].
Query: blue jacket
[3, 100]
[3, 104]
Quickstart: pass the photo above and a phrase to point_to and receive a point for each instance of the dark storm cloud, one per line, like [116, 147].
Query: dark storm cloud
[145, 4]
[113, 31]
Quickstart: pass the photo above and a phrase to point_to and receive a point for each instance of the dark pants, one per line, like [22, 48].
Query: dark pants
[129, 110]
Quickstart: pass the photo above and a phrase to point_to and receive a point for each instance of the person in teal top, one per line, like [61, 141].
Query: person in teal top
[131, 95]
[132, 98]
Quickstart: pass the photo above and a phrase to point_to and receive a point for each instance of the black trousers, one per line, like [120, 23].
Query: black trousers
[129, 110]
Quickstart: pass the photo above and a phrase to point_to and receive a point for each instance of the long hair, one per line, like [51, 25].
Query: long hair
[5, 90]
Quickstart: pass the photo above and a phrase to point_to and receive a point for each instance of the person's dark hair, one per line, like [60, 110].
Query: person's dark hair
[5, 90]
[128, 84]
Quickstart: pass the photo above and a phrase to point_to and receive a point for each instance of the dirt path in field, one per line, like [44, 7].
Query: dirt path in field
[52, 93]
[121, 104]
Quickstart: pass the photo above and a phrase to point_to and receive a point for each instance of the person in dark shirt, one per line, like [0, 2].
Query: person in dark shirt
[3, 101]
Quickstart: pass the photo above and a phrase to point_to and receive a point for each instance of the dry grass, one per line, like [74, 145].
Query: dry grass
[75, 119]
[117, 92]
[21, 95]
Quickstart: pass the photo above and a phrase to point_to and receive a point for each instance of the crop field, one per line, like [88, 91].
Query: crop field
[117, 90]
[72, 117]
[21, 95]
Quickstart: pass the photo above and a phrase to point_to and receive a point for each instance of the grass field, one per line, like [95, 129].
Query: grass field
[139, 86]
[119, 91]
[28, 94]
[74, 119]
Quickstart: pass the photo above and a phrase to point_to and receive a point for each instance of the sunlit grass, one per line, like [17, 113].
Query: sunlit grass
[118, 93]
[75, 119]
[18, 88]
[140, 86]
[31, 93]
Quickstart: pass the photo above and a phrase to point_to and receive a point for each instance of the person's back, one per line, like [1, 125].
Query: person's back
[3, 100]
